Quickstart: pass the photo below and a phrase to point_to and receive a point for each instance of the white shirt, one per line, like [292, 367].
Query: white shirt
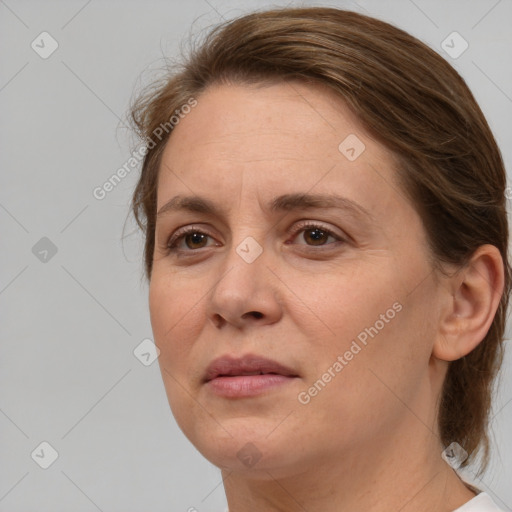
[480, 503]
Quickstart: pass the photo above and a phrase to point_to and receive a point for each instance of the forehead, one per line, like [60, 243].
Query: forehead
[259, 121]
[275, 139]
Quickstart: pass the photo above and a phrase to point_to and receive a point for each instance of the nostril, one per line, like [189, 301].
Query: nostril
[256, 314]
[218, 320]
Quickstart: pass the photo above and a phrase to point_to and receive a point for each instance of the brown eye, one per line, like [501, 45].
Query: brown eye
[316, 236]
[195, 240]
[188, 240]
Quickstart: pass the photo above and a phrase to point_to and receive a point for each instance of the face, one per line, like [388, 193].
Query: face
[340, 293]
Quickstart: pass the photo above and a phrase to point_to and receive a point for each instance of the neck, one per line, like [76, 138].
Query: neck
[404, 477]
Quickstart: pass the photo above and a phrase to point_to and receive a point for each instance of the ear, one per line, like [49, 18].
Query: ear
[474, 294]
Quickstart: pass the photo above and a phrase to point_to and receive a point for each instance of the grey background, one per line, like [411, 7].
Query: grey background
[69, 325]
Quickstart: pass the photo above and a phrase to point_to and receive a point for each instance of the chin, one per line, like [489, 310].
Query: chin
[238, 444]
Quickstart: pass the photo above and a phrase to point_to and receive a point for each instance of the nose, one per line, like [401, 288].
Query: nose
[245, 293]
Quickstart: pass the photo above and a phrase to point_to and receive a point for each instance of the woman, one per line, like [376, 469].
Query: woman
[326, 245]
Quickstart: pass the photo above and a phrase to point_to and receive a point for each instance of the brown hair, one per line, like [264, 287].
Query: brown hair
[414, 103]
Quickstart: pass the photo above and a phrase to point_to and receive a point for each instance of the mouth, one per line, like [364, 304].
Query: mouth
[246, 376]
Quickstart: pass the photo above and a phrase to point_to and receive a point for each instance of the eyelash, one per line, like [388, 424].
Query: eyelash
[171, 244]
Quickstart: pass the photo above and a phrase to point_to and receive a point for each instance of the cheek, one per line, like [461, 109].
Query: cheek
[366, 397]
[174, 315]
[174, 318]
[345, 305]
[377, 329]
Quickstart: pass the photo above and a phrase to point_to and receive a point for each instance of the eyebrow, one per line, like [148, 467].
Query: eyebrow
[283, 203]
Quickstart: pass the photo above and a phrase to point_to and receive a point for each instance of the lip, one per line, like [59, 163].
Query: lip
[229, 376]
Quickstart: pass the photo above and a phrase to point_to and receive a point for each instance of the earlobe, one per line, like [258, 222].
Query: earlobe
[474, 295]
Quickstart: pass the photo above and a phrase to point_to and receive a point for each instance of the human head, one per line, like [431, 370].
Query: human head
[409, 100]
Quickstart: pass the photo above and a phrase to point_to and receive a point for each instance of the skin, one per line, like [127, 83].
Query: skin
[368, 441]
